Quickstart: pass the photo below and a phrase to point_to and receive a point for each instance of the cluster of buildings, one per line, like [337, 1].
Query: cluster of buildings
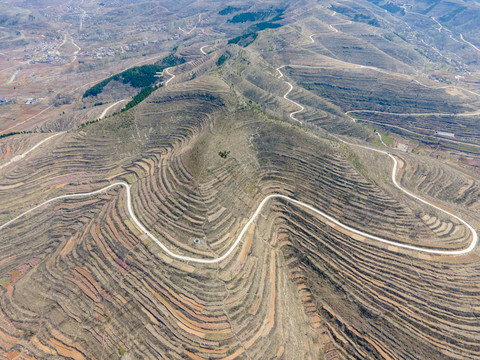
[103, 52]
[152, 28]
[100, 53]
[30, 101]
[44, 52]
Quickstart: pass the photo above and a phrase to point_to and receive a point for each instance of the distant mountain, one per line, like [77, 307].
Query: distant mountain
[457, 15]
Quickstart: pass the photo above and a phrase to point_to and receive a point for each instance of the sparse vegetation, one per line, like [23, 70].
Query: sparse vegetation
[14, 133]
[62, 99]
[228, 10]
[28, 333]
[89, 123]
[223, 154]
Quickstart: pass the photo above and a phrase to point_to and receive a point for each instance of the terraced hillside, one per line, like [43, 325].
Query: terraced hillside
[80, 280]
[243, 210]
[382, 87]
[388, 100]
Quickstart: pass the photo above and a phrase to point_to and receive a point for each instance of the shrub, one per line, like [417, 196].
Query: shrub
[244, 40]
[222, 59]
[223, 154]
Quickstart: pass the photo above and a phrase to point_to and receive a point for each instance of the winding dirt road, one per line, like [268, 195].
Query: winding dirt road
[24, 121]
[142, 228]
[260, 207]
[292, 115]
[108, 108]
[394, 171]
[21, 156]
[12, 78]
[169, 73]
[469, 43]
[475, 113]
